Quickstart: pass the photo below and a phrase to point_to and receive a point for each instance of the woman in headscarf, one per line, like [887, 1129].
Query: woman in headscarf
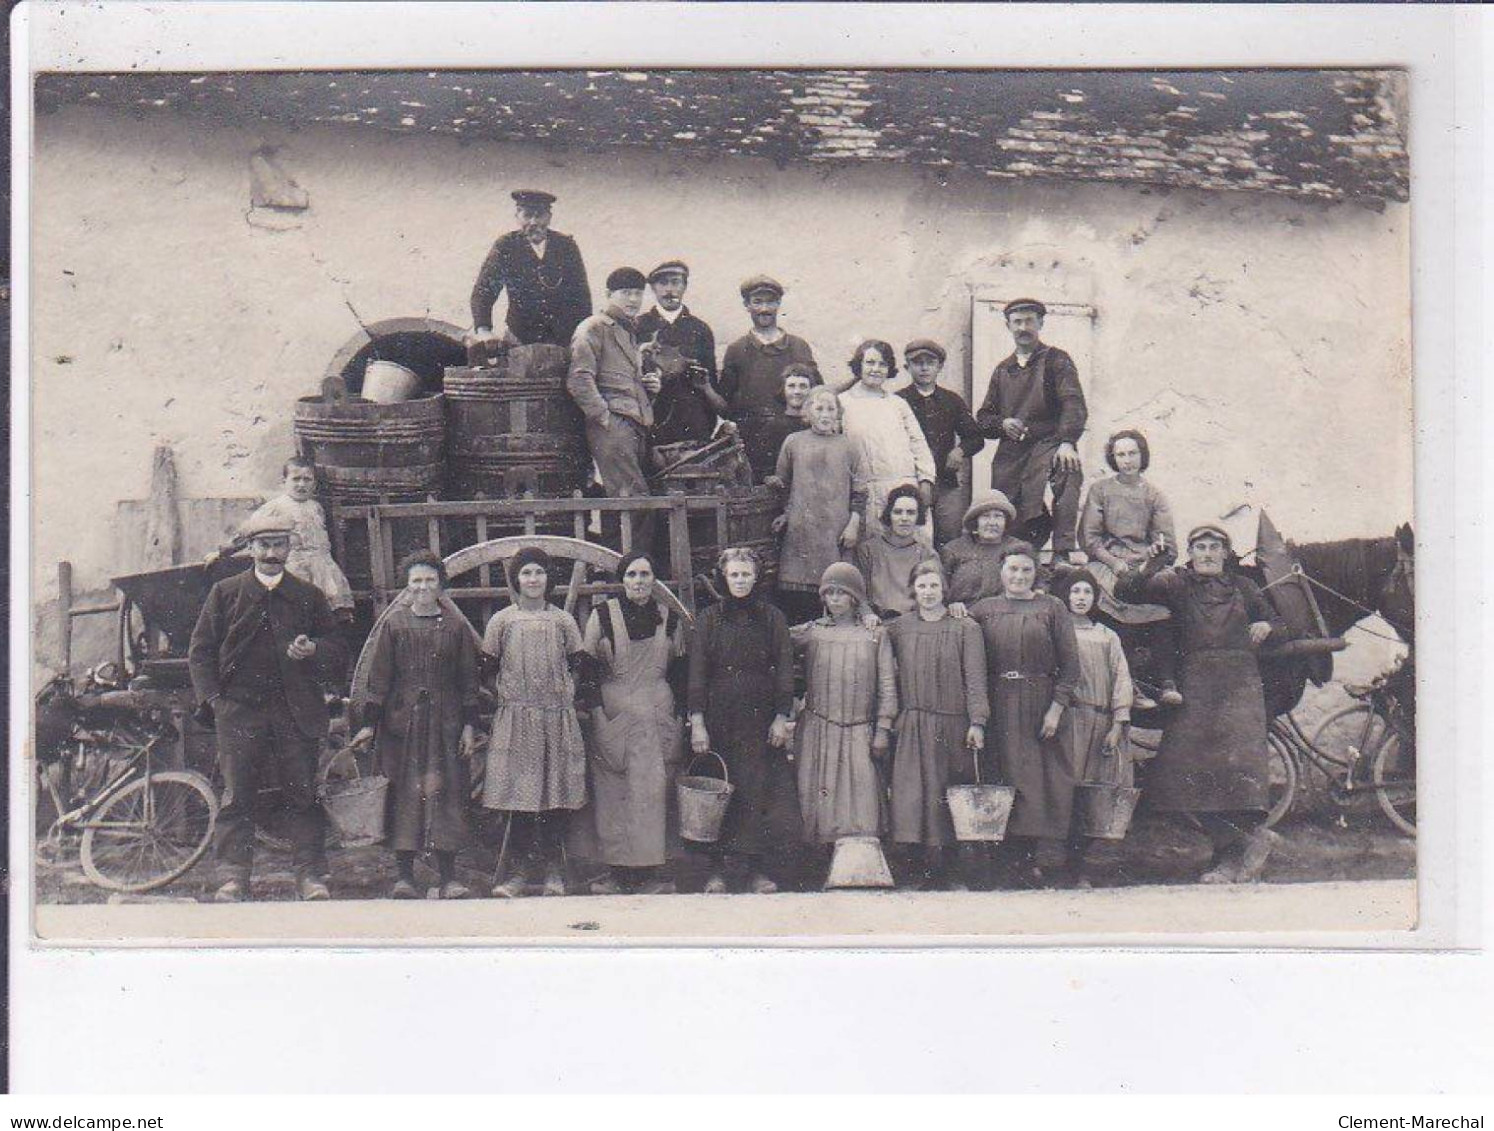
[845, 729]
[536, 770]
[741, 695]
[1214, 763]
[419, 708]
[636, 738]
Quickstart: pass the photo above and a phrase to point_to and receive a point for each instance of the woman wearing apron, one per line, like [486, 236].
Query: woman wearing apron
[636, 738]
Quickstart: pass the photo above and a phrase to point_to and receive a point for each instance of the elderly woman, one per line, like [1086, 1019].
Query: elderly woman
[419, 708]
[887, 556]
[1032, 669]
[972, 562]
[636, 738]
[1213, 764]
[1125, 520]
[890, 444]
[741, 693]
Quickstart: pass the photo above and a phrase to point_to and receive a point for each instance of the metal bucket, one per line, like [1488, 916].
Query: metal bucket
[388, 382]
[858, 863]
[1105, 810]
[703, 803]
[355, 809]
[980, 812]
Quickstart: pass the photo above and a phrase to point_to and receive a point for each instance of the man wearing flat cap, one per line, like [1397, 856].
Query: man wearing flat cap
[752, 372]
[263, 643]
[608, 382]
[1035, 408]
[546, 280]
[688, 403]
[951, 431]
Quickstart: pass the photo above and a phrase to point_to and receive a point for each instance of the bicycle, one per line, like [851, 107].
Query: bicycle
[140, 827]
[1362, 750]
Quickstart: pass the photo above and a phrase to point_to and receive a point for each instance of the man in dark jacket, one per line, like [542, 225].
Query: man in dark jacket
[262, 644]
[951, 431]
[1035, 408]
[688, 403]
[548, 295]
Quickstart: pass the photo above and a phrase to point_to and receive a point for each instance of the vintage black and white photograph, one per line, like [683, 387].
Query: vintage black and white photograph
[721, 504]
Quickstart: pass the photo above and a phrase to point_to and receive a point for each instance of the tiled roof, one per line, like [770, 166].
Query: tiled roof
[1324, 134]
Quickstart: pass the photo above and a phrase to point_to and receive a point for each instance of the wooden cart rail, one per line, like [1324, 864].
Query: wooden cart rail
[495, 517]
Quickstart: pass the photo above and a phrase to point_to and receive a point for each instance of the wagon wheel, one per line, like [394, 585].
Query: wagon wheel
[578, 587]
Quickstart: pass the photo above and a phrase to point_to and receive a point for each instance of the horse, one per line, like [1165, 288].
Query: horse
[1351, 579]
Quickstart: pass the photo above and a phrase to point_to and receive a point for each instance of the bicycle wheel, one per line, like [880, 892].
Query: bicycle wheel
[1394, 774]
[141, 839]
[1355, 727]
[1283, 778]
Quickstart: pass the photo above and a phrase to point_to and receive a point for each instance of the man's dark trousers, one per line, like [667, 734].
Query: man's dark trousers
[254, 739]
[1021, 470]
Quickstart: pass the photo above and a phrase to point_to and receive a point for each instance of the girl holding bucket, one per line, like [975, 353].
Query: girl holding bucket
[636, 739]
[536, 770]
[941, 729]
[420, 709]
[1032, 668]
[741, 694]
[1095, 726]
[845, 729]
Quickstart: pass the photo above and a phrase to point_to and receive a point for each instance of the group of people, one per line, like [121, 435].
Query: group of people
[933, 644]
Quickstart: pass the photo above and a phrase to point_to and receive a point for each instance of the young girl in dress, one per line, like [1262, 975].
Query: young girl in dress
[536, 766]
[1096, 724]
[818, 471]
[845, 729]
[941, 731]
[1126, 520]
[311, 550]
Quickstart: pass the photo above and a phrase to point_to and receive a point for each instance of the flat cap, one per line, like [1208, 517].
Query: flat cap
[1209, 530]
[669, 267]
[924, 345]
[265, 526]
[761, 283]
[533, 198]
[626, 279]
[1020, 304]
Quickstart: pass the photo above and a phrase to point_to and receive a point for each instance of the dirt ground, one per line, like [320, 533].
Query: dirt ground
[1363, 847]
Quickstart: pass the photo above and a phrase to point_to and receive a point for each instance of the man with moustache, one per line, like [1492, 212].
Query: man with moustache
[608, 382]
[752, 369]
[953, 435]
[1035, 407]
[261, 647]
[548, 295]
[688, 403]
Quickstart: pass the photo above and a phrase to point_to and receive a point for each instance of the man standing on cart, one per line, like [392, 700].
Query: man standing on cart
[264, 641]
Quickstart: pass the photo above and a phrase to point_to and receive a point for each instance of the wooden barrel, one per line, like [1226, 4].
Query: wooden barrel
[512, 428]
[749, 517]
[365, 451]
